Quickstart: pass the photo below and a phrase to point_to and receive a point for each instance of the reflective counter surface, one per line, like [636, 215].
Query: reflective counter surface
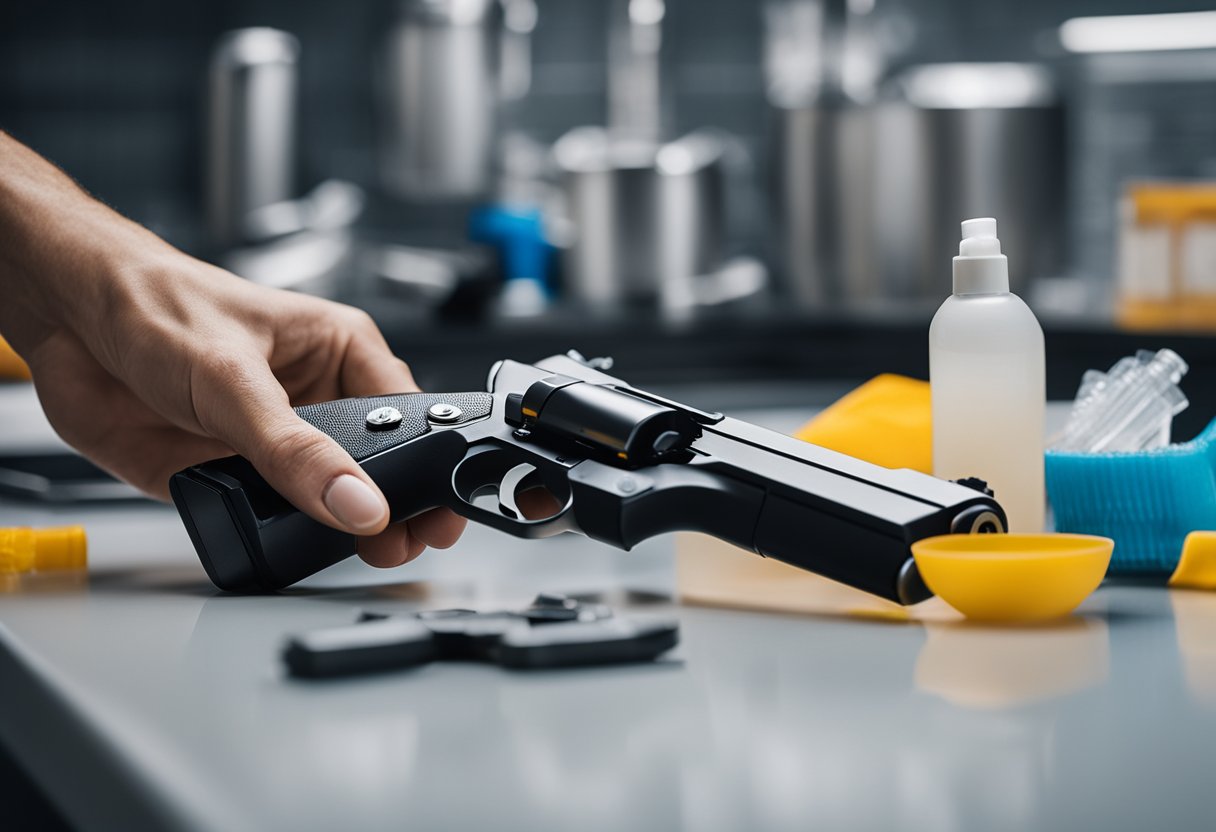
[141, 698]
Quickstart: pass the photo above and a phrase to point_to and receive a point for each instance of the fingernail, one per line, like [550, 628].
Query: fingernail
[354, 504]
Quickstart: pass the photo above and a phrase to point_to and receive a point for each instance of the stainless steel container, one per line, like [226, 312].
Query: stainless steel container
[439, 98]
[645, 219]
[821, 62]
[969, 140]
[867, 198]
[1139, 115]
[251, 128]
[823, 189]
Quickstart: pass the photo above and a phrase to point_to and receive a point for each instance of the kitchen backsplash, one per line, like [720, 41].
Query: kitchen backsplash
[113, 91]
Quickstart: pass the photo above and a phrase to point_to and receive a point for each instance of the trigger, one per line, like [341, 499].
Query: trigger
[508, 486]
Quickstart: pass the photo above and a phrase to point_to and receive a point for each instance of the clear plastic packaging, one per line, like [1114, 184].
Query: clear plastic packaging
[1128, 408]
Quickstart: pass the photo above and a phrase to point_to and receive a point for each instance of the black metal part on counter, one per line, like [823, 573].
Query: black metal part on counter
[549, 634]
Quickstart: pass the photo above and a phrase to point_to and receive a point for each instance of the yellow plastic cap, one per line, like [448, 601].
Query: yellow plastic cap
[1197, 566]
[43, 550]
[1013, 577]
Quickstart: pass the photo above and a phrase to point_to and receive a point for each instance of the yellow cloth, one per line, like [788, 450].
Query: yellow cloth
[11, 365]
[887, 421]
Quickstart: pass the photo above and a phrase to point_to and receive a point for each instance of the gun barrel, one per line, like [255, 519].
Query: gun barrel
[839, 516]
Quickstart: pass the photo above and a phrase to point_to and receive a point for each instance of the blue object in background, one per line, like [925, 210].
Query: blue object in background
[519, 235]
[1148, 501]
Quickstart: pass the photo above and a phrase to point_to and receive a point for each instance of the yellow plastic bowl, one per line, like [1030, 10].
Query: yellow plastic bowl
[1013, 577]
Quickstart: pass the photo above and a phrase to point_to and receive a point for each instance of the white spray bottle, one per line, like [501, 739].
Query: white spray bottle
[986, 369]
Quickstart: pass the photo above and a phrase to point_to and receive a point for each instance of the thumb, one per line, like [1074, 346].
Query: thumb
[242, 404]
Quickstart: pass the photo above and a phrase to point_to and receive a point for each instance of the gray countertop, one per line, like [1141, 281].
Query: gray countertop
[141, 698]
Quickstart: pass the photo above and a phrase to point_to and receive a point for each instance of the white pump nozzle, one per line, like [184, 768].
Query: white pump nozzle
[979, 237]
[980, 268]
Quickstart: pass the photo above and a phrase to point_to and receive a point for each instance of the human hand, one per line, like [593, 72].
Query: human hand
[147, 361]
[196, 363]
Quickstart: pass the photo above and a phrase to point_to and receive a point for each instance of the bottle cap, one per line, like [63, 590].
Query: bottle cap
[980, 268]
[43, 550]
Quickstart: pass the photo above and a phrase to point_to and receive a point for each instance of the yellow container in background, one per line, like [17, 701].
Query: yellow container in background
[1167, 256]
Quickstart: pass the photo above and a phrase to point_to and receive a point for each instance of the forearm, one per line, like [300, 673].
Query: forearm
[147, 360]
[61, 251]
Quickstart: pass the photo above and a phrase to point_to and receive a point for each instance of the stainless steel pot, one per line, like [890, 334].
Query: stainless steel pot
[867, 198]
[823, 192]
[252, 123]
[645, 219]
[969, 140]
[439, 94]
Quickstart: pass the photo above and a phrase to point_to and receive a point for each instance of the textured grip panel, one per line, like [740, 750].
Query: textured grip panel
[345, 419]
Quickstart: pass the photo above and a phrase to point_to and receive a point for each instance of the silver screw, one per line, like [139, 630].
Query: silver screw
[384, 418]
[444, 413]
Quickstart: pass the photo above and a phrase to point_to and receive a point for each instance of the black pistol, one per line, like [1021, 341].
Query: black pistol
[615, 463]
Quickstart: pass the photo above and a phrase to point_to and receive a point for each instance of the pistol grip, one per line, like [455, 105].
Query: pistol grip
[346, 420]
[250, 539]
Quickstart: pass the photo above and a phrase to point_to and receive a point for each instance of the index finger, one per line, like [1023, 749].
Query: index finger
[369, 367]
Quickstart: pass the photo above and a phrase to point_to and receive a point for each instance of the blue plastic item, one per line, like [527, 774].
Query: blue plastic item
[1148, 501]
[519, 234]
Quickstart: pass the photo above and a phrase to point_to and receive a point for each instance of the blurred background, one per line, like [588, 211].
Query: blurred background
[759, 193]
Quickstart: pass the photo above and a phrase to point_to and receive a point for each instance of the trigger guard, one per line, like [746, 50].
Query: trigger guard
[506, 469]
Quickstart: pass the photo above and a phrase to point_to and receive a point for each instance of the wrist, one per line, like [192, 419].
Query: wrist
[63, 254]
